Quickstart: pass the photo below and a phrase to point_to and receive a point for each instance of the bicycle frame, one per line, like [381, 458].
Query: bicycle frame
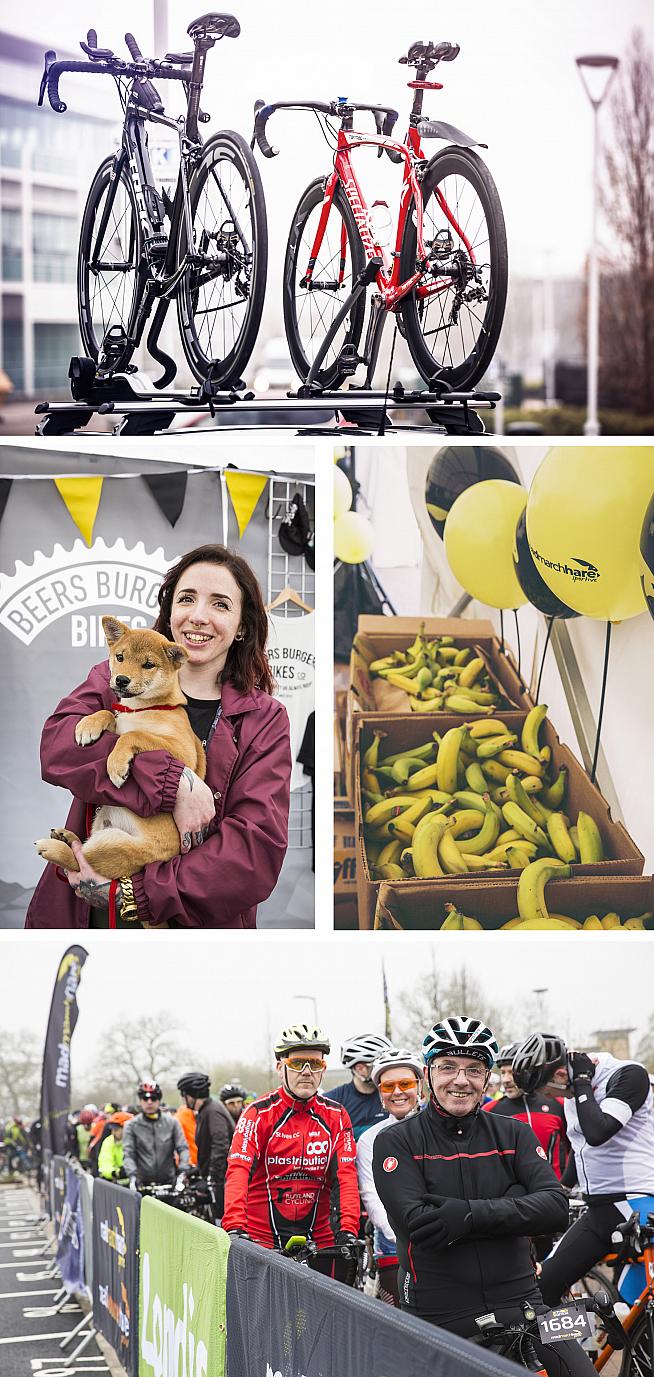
[645, 1302]
[387, 278]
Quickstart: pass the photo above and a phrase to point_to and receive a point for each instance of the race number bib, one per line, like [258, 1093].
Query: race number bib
[566, 1322]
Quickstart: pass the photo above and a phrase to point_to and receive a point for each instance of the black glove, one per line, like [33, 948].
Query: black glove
[581, 1066]
[446, 1222]
[344, 1239]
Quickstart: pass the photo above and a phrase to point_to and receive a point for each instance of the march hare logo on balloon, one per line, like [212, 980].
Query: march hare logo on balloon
[587, 571]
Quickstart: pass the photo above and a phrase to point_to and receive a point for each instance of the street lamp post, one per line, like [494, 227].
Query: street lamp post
[312, 1000]
[596, 74]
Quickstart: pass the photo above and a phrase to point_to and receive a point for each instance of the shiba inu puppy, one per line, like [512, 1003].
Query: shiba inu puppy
[148, 715]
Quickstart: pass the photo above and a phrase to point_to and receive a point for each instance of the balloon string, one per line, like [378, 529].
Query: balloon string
[605, 673]
[502, 631]
[517, 632]
[550, 624]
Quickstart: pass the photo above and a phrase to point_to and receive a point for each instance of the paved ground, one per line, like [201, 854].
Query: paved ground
[30, 1330]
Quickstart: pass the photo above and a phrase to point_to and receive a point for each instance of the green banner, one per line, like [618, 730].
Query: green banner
[183, 1274]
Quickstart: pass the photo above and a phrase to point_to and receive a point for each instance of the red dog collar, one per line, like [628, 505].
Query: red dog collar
[154, 707]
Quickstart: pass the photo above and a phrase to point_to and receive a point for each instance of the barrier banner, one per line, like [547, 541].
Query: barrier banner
[183, 1274]
[70, 1246]
[285, 1319]
[86, 1182]
[58, 1166]
[116, 1270]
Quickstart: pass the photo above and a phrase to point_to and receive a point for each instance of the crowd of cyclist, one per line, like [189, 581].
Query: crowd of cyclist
[454, 1165]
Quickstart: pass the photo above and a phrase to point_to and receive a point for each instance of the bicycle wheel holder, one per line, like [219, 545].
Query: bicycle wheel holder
[136, 408]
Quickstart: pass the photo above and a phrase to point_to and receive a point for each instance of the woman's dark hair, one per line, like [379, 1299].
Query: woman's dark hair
[247, 664]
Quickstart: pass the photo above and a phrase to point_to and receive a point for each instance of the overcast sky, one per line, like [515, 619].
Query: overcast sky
[514, 86]
[232, 996]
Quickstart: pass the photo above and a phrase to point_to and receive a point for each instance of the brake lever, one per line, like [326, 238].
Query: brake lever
[50, 58]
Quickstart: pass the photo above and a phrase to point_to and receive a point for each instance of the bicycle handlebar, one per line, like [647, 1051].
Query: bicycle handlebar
[384, 115]
[113, 66]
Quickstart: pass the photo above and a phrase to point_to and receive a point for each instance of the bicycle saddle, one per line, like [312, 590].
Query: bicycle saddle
[222, 25]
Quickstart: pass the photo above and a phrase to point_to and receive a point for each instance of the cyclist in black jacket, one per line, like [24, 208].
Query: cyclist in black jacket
[464, 1191]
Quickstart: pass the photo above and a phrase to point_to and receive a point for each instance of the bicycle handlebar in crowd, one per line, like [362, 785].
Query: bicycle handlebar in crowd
[385, 118]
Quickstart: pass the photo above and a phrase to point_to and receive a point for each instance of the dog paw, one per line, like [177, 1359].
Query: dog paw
[84, 735]
[63, 834]
[117, 770]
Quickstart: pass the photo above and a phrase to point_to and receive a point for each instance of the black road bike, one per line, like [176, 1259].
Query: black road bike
[206, 246]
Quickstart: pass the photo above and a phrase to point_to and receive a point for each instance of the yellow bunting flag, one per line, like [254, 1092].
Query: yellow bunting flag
[245, 489]
[82, 499]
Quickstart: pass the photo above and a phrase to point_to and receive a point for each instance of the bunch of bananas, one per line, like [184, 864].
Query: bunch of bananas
[473, 799]
[533, 914]
[438, 676]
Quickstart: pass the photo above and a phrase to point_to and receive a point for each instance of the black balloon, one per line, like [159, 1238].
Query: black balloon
[455, 468]
[647, 552]
[531, 583]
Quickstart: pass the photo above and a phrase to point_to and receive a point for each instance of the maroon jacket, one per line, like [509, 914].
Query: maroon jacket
[216, 885]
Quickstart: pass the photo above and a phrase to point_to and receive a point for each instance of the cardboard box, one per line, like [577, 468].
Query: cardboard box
[346, 913]
[378, 636]
[420, 907]
[345, 851]
[623, 856]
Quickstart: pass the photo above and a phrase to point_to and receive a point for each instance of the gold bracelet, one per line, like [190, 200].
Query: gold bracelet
[128, 908]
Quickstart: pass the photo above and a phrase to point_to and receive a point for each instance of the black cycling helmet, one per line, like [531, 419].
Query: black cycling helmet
[460, 1036]
[235, 1091]
[536, 1059]
[195, 1083]
[506, 1054]
[148, 1089]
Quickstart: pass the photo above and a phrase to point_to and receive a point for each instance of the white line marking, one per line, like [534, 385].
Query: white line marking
[18, 1295]
[35, 1338]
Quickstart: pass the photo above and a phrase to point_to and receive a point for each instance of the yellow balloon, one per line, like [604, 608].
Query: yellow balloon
[353, 538]
[342, 493]
[479, 535]
[584, 518]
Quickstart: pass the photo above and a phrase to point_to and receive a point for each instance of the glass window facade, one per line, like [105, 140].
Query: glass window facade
[12, 246]
[54, 247]
[53, 346]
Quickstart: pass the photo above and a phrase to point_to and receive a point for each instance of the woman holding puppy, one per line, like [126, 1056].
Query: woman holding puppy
[233, 824]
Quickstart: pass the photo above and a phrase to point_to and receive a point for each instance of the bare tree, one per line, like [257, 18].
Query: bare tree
[149, 1046]
[627, 287]
[20, 1073]
[433, 996]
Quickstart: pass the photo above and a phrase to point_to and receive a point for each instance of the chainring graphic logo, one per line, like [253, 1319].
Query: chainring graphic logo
[66, 582]
[585, 573]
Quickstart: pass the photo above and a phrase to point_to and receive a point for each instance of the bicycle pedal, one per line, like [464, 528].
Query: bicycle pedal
[349, 360]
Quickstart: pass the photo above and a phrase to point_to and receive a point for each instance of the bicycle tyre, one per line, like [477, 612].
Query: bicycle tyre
[638, 1359]
[88, 300]
[330, 375]
[463, 356]
[227, 147]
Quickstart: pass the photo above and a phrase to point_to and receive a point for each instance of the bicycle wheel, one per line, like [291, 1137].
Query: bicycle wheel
[452, 333]
[108, 262]
[308, 314]
[638, 1357]
[220, 297]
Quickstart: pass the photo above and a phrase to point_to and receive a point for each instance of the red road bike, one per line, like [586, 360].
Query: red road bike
[445, 279]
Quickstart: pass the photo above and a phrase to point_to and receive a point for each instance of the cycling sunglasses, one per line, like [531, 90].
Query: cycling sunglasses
[299, 1063]
[155, 1099]
[387, 1087]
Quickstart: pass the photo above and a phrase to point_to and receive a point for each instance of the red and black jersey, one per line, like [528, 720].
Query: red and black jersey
[292, 1170]
[545, 1116]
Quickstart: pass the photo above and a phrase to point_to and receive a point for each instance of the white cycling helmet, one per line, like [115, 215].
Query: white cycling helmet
[301, 1035]
[396, 1056]
[365, 1047]
[460, 1036]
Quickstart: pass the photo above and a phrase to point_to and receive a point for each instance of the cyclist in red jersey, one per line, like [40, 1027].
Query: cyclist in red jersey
[544, 1114]
[292, 1163]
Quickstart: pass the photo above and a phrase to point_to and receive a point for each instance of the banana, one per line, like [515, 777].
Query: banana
[468, 819]
[404, 767]
[635, 924]
[487, 862]
[387, 809]
[491, 727]
[555, 794]
[425, 704]
[450, 857]
[519, 760]
[405, 825]
[517, 818]
[447, 761]
[447, 653]
[517, 857]
[542, 924]
[424, 846]
[518, 794]
[471, 671]
[475, 778]
[462, 656]
[424, 678]
[416, 753]
[500, 851]
[495, 771]
[559, 835]
[592, 924]
[419, 643]
[487, 836]
[531, 886]
[459, 922]
[406, 861]
[492, 745]
[424, 779]
[369, 782]
[531, 727]
[532, 784]
[457, 703]
[574, 836]
[390, 853]
[590, 841]
[389, 872]
[376, 666]
[610, 921]
[469, 798]
[403, 681]
[483, 696]
[371, 757]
